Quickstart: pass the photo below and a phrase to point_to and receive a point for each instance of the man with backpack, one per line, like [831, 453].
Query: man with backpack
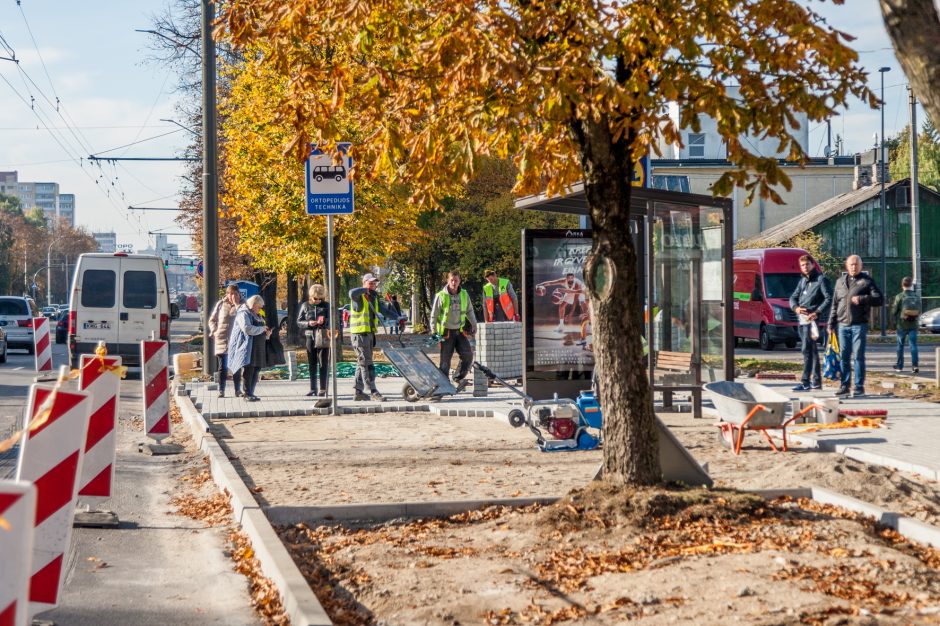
[906, 311]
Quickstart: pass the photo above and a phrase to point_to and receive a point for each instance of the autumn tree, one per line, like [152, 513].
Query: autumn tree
[573, 90]
[928, 156]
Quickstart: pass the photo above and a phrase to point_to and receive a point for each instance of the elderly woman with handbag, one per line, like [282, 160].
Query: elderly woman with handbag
[245, 351]
[314, 321]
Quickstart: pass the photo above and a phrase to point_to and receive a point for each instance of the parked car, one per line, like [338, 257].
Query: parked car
[3, 346]
[50, 311]
[764, 280]
[930, 321]
[62, 327]
[16, 319]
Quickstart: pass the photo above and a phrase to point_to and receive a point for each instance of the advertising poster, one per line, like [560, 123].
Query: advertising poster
[558, 311]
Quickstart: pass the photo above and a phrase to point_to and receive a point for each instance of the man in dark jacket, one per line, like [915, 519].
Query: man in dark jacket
[810, 300]
[854, 295]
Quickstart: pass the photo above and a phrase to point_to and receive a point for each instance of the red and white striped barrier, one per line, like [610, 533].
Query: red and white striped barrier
[103, 382]
[51, 457]
[155, 376]
[17, 510]
[43, 345]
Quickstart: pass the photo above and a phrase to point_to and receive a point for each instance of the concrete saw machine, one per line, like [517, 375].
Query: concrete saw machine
[559, 424]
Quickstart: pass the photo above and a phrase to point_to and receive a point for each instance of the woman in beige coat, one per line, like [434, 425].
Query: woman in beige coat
[220, 328]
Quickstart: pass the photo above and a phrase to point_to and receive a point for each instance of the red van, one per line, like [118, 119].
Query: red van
[764, 280]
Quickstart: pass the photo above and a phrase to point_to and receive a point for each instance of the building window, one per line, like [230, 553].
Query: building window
[696, 145]
[902, 196]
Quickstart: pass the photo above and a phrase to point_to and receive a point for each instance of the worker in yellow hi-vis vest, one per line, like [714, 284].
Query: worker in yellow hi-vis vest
[364, 307]
[451, 315]
[499, 299]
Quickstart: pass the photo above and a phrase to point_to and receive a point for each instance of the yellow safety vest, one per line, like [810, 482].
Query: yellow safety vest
[361, 322]
[445, 309]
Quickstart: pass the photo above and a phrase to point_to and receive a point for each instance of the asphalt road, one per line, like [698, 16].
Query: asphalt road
[878, 357]
[157, 568]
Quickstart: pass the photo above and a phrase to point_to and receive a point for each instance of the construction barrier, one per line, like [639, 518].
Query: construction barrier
[155, 377]
[51, 457]
[101, 379]
[42, 344]
[17, 511]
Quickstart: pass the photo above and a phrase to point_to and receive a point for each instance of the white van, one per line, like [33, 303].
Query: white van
[120, 299]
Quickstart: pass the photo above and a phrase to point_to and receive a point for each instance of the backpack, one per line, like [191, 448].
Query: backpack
[910, 306]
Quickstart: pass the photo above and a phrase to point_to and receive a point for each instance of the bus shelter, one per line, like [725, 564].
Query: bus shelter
[684, 255]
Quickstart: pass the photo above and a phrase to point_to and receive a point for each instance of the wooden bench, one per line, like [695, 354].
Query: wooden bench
[679, 364]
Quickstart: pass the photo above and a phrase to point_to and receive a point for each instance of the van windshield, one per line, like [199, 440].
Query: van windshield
[781, 285]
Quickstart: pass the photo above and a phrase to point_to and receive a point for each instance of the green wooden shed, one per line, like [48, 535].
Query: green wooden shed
[850, 223]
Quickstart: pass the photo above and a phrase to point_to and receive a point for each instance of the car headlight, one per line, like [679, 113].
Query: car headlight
[780, 313]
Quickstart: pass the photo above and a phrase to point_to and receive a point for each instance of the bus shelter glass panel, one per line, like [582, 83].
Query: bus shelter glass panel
[686, 283]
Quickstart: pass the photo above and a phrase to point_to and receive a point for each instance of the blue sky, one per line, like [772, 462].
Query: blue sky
[111, 96]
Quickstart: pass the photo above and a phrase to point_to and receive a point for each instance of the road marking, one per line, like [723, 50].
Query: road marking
[16, 369]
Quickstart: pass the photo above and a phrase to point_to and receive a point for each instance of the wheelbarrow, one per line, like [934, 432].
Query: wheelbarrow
[423, 378]
[750, 406]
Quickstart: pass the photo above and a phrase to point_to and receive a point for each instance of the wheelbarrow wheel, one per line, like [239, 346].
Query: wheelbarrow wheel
[410, 393]
[516, 418]
[726, 436]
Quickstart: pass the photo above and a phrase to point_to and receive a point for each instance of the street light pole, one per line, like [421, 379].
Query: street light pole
[881, 164]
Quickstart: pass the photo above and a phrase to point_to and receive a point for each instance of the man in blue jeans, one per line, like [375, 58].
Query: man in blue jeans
[854, 295]
[906, 311]
[810, 301]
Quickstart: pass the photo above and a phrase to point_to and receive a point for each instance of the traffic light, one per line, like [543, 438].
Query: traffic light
[192, 265]
[166, 264]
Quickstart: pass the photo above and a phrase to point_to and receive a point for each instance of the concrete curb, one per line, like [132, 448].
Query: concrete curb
[384, 511]
[300, 602]
[909, 527]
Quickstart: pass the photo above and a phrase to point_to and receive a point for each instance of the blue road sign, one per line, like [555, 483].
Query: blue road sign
[329, 189]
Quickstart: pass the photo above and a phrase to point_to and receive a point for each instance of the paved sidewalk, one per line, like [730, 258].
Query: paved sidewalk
[908, 442]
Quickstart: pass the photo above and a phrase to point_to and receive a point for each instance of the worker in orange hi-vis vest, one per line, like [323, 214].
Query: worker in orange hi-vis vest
[499, 299]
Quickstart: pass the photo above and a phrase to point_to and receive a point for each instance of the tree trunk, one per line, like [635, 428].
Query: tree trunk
[631, 451]
[914, 28]
[293, 332]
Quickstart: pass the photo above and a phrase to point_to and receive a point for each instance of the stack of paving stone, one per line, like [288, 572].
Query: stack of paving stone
[499, 347]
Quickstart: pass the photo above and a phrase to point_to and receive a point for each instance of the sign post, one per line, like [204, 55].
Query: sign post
[330, 192]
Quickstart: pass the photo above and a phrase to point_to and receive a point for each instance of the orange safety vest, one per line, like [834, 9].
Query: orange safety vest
[504, 300]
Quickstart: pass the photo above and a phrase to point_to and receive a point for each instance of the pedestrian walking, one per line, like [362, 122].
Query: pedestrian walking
[314, 322]
[906, 312]
[364, 307]
[810, 301]
[220, 330]
[451, 314]
[398, 326]
[248, 349]
[854, 295]
[499, 299]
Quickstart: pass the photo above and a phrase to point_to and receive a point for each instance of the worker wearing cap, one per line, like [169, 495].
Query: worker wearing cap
[450, 314]
[364, 307]
[499, 299]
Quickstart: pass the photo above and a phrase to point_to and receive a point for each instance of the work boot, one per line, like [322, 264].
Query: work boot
[843, 391]
[360, 397]
[461, 385]
[377, 397]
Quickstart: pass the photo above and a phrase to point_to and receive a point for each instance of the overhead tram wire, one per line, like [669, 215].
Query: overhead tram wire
[66, 150]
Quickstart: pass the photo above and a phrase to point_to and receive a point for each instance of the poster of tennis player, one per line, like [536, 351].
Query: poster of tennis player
[561, 338]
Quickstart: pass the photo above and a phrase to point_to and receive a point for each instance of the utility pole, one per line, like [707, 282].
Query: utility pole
[884, 235]
[210, 237]
[915, 196]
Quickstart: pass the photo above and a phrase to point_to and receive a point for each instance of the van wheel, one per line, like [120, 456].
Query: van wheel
[3, 357]
[791, 343]
[765, 342]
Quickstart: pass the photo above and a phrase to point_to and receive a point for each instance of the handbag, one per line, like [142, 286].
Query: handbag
[321, 338]
[274, 351]
[832, 362]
